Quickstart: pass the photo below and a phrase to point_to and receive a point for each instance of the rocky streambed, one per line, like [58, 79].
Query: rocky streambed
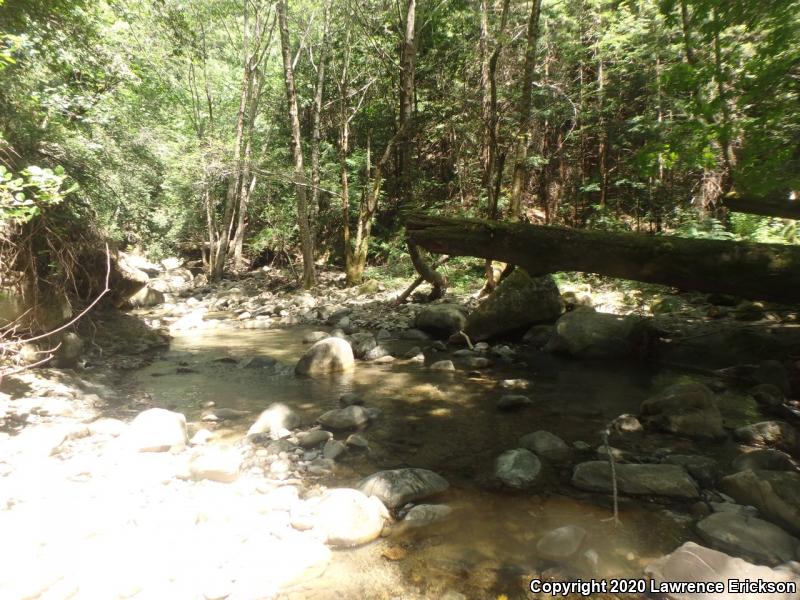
[289, 445]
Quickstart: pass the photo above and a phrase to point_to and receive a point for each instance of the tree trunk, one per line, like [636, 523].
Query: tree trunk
[489, 114]
[520, 176]
[309, 276]
[316, 115]
[787, 207]
[407, 60]
[764, 271]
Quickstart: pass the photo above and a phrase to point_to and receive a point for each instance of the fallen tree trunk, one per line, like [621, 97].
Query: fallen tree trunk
[785, 208]
[758, 271]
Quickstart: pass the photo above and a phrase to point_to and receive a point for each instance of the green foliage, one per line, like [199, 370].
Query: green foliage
[24, 196]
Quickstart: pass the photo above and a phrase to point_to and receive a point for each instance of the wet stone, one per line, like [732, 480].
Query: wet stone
[517, 468]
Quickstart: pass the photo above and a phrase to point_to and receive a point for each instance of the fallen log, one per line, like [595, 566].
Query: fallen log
[786, 207]
[757, 271]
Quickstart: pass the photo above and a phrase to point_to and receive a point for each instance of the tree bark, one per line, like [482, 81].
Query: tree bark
[407, 65]
[316, 116]
[787, 207]
[309, 276]
[520, 176]
[762, 271]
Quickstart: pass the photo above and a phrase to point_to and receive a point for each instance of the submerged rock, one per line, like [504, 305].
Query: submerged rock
[561, 543]
[350, 417]
[442, 365]
[749, 537]
[685, 409]
[400, 486]
[422, 515]
[695, 563]
[635, 479]
[517, 468]
[330, 355]
[157, 430]
[518, 302]
[511, 402]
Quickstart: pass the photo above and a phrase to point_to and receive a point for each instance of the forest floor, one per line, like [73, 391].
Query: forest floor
[233, 508]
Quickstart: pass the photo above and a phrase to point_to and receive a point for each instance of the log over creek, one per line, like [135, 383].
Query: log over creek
[757, 271]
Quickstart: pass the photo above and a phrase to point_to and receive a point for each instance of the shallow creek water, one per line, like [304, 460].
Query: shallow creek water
[446, 422]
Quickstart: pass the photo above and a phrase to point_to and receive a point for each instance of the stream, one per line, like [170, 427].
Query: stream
[446, 422]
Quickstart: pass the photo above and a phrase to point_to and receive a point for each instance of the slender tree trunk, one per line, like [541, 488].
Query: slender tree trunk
[489, 114]
[316, 115]
[407, 65]
[520, 176]
[234, 179]
[309, 276]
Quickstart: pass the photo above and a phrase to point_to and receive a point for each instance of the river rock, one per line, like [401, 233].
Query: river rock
[442, 365]
[355, 440]
[333, 449]
[562, 543]
[776, 494]
[422, 515]
[517, 468]
[518, 302]
[703, 468]
[686, 409]
[636, 479]
[767, 395]
[764, 458]
[539, 335]
[748, 537]
[362, 343]
[146, 297]
[510, 402]
[350, 417]
[441, 320]
[326, 356]
[350, 399]
[773, 372]
[310, 439]
[692, 562]
[276, 421]
[379, 353]
[414, 334]
[348, 517]
[69, 351]
[584, 333]
[777, 434]
[158, 430]
[546, 445]
[399, 486]
[220, 464]
[259, 362]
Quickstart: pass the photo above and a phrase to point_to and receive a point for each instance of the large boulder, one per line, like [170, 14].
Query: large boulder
[584, 333]
[441, 320]
[694, 563]
[275, 421]
[146, 297]
[517, 468]
[636, 479]
[330, 355]
[157, 430]
[519, 302]
[686, 409]
[776, 494]
[751, 538]
[399, 486]
[348, 517]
